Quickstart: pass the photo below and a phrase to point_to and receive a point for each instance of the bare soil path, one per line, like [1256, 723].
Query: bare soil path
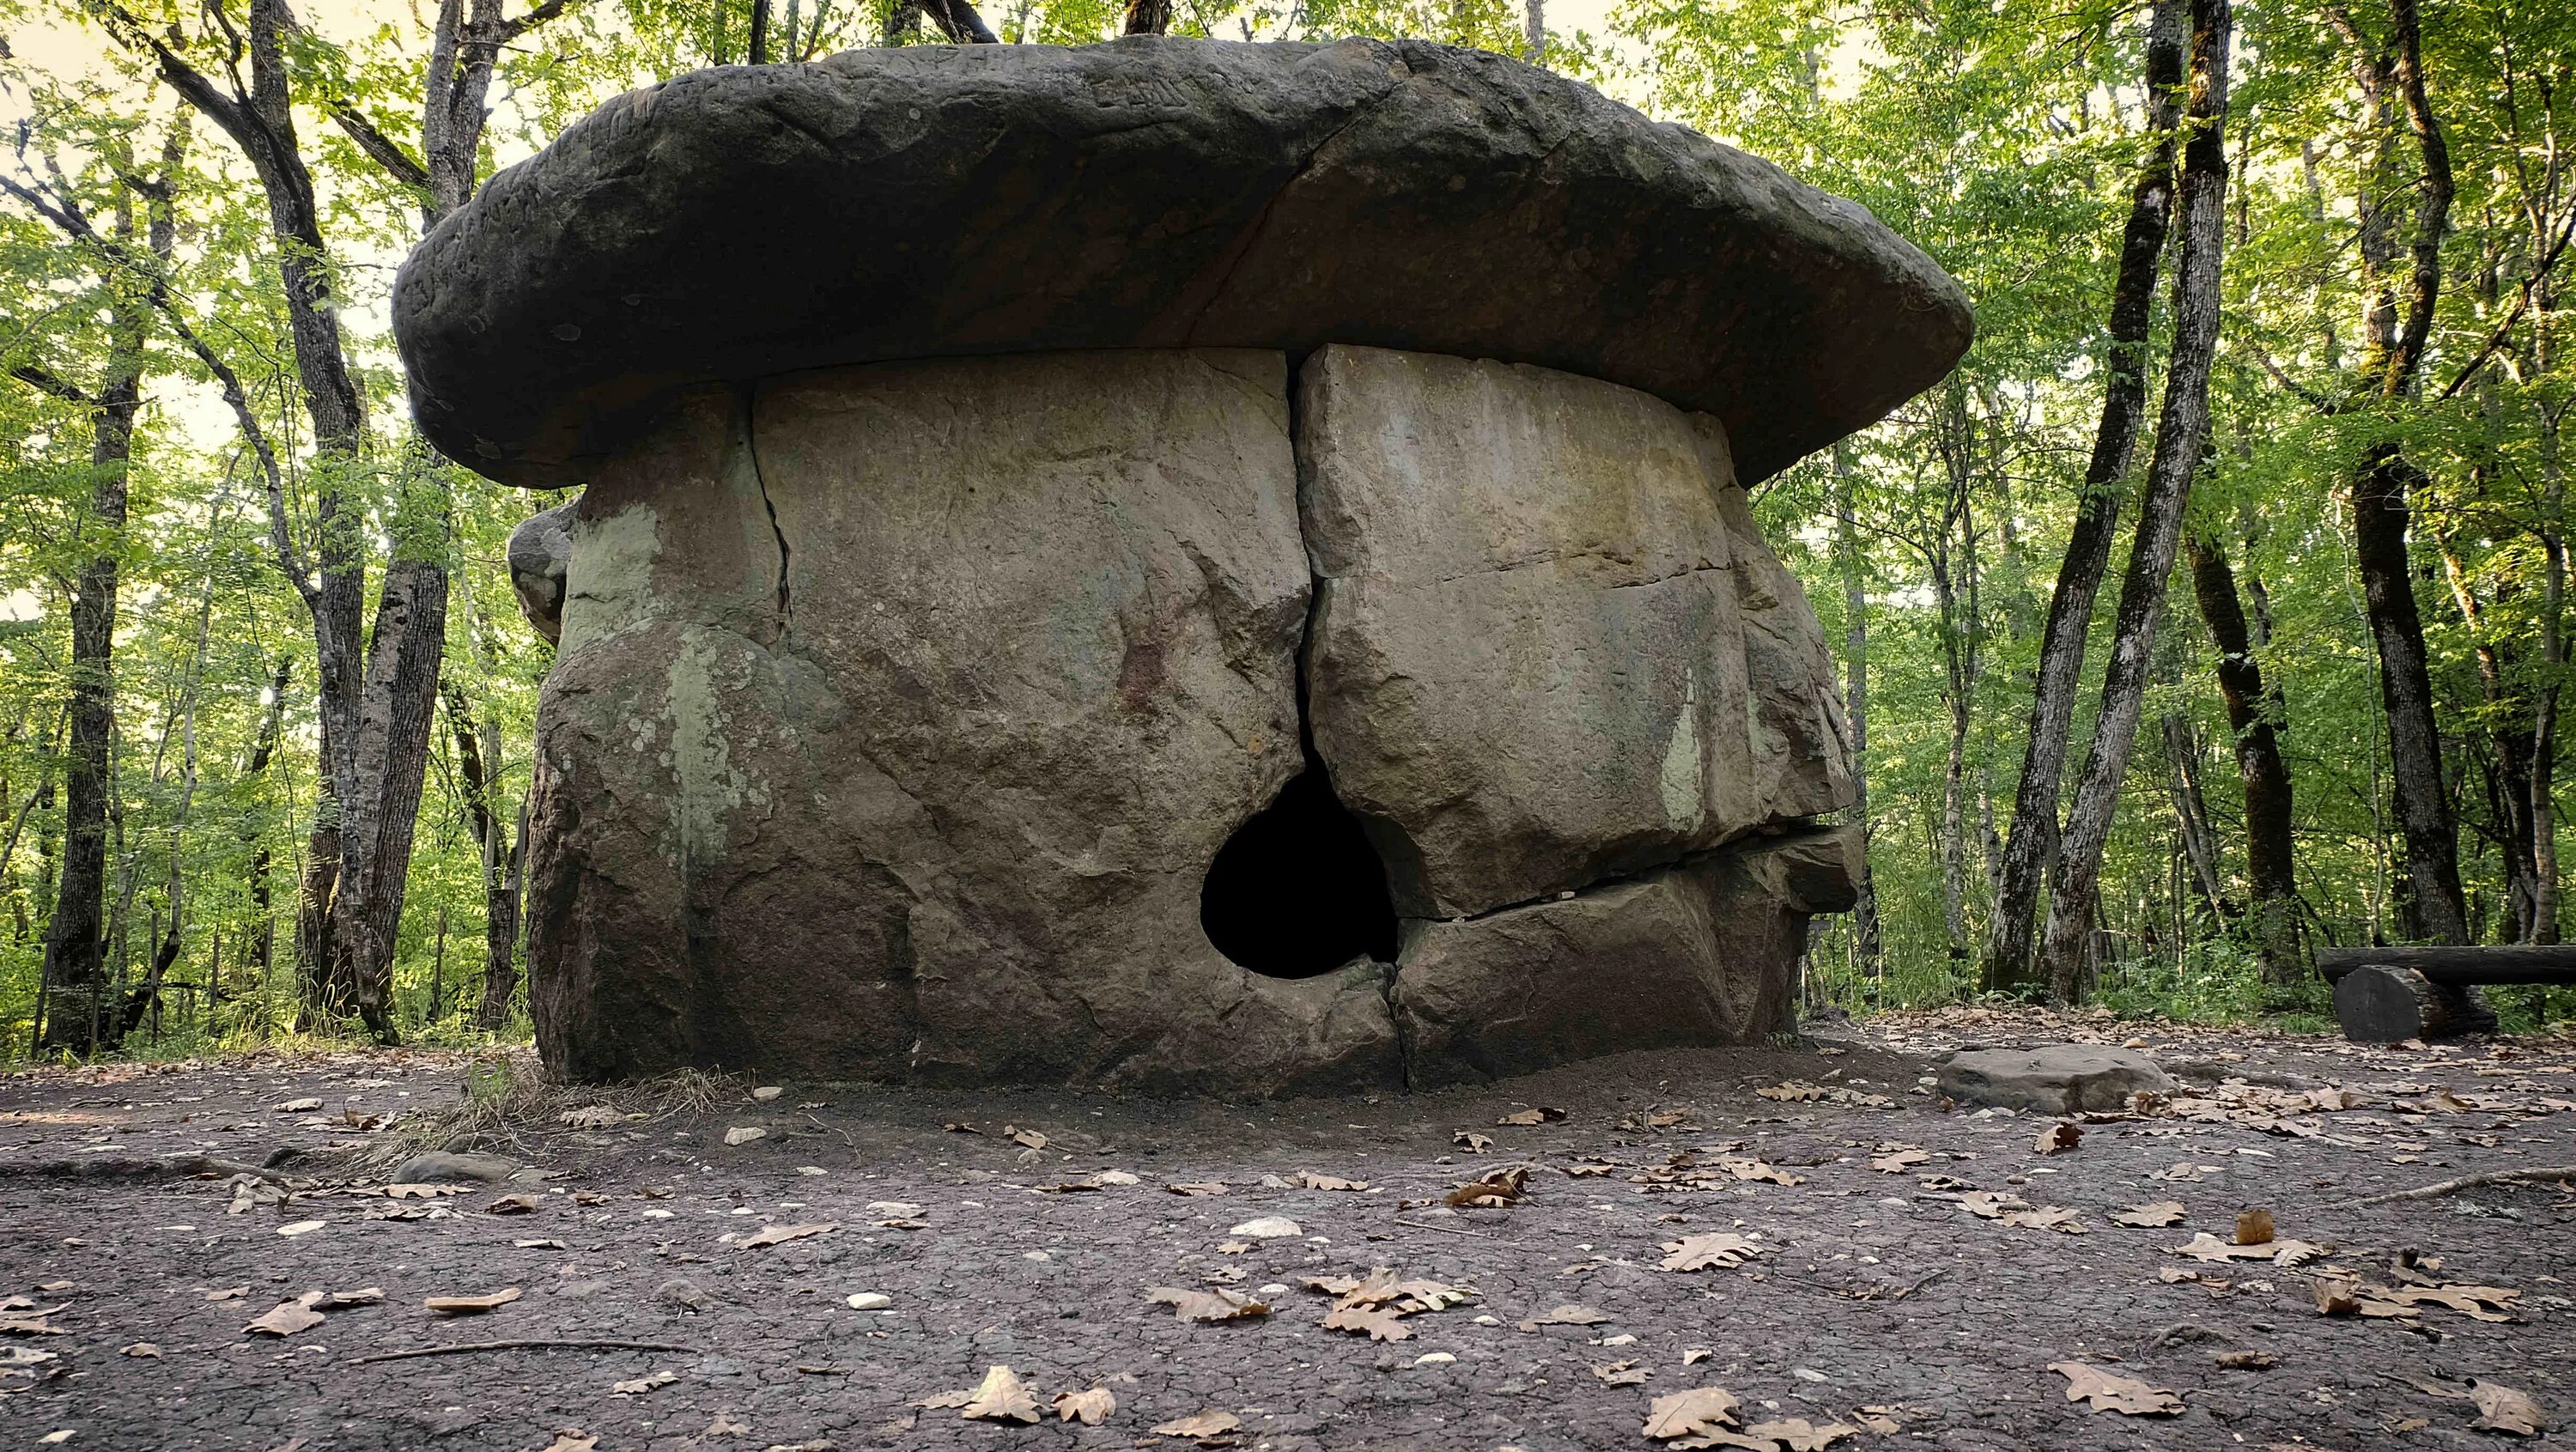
[1873, 1298]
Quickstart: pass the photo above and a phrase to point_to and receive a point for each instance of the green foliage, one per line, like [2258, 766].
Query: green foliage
[2001, 137]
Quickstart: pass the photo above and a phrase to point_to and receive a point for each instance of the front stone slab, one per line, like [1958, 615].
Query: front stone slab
[1537, 593]
[1704, 952]
[900, 713]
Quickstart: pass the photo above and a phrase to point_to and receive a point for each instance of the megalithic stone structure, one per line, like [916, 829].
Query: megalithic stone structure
[1169, 565]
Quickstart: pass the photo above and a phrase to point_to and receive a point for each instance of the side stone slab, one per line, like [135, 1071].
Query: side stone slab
[899, 714]
[1550, 646]
[1703, 952]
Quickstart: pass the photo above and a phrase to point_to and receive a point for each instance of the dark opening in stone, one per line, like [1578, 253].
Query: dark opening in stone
[1298, 890]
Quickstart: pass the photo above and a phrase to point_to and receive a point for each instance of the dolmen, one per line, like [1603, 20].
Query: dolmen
[1168, 565]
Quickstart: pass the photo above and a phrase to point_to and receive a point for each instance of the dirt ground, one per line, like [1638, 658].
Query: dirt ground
[1875, 1299]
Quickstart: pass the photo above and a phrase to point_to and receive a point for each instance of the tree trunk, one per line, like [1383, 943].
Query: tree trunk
[76, 979]
[2199, 840]
[263, 951]
[2182, 433]
[501, 911]
[1148, 17]
[2032, 845]
[2255, 715]
[2431, 905]
[1847, 551]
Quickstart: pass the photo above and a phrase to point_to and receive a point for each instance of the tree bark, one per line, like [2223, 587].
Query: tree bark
[1148, 17]
[2182, 434]
[1847, 551]
[80, 1014]
[2032, 845]
[2432, 906]
[2255, 714]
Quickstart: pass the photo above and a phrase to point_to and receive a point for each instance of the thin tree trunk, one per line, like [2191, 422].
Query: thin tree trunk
[2543, 927]
[2198, 839]
[2182, 434]
[2255, 715]
[2032, 845]
[77, 983]
[1847, 551]
[2433, 907]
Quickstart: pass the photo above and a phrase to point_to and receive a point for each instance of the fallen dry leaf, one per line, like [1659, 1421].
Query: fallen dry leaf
[1501, 1188]
[2283, 1253]
[1203, 1424]
[1798, 1091]
[744, 1134]
[2153, 1216]
[300, 1227]
[1379, 1323]
[781, 1234]
[1798, 1434]
[1472, 1142]
[2056, 1138]
[471, 1305]
[1313, 1181]
[1002, 1397]
[1720, 1248]
[650, 1381]
[2502, 1409]
[299, 1106]
[572, 1439]
[1684, 1413]
[140, 1348]
[1188, 1305]
[1744, 1169]
[1197, 1187]
[289, 1318]
[1025, 1138]
[591, 1116]
[2254, 1227]
[1268, 1227]
[1090, 1408]
[1565, 1316]
[2111, 1393]
[1893, 1158]
[512, 1205]
[1620, 1373]
[1524, 1118]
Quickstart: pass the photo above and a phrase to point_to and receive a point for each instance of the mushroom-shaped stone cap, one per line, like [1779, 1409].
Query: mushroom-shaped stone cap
[1150, 193]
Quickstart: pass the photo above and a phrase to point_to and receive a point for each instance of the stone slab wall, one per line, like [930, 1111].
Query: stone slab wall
[901, 709]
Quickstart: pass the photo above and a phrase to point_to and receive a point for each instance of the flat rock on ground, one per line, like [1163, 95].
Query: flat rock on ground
[1874, 1288]
[2052, 1078]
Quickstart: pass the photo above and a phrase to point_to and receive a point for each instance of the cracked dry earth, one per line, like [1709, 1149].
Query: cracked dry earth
[1873, 1300]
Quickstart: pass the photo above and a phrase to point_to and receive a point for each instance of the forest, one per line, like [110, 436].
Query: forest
[2210, 612]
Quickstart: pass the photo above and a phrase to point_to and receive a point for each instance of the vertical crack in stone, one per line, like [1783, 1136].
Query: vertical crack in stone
[751, 448]
[1404, 1052]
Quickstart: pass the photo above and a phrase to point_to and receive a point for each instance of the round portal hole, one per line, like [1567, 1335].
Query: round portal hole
[1298, 890]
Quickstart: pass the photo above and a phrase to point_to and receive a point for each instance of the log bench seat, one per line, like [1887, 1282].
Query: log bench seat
[2390, 995]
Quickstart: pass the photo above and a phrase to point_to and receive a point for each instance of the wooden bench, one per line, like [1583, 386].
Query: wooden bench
[2390, 995]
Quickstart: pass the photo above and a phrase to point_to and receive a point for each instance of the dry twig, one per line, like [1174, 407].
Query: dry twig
[2467, 1182]
[461, 1347]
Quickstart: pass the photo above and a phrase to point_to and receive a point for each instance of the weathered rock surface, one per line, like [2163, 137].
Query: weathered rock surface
[1550, 645]
[736, 223]
[899, 713]
[2052, 1079]
[1697, 953]
[540, 553]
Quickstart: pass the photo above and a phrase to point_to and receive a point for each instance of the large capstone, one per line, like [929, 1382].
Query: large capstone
[1164, 565]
